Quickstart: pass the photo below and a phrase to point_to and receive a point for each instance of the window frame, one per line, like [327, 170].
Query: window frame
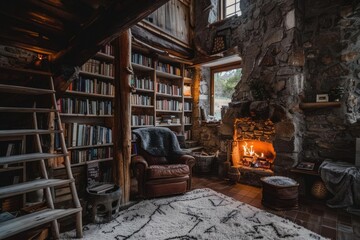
[216, 69]
[222, 9]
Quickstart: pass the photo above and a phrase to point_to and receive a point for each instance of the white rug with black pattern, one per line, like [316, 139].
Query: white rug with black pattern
[199, 214]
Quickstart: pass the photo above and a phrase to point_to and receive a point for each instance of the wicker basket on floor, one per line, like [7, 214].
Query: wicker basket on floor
[203, 162]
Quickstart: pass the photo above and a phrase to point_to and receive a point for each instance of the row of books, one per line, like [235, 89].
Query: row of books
[169, 105]
[141, 59]
[164, 88]
[85, 106]
[77, 134]
[138, 99]
[187, 119]
[168, 120]
[92, 86]
[188, 134]
[138, 120]
[187, 106]
[142, 82]
[108, 49]
[165, 67]
[98, 67]
[80, 156]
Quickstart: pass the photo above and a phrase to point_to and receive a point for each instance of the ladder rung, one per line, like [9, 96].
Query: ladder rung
[28, 157]
[20, 132]
[30, 186]
[24, 90]
[26, 222]
[26, 110]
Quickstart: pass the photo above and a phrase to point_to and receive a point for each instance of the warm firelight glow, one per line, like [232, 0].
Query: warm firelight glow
[253, 152]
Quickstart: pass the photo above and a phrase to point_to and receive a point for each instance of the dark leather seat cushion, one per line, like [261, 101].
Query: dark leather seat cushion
[167, 171]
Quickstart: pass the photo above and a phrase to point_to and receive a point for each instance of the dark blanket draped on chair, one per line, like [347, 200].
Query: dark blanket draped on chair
[158, 141]
[343, 181]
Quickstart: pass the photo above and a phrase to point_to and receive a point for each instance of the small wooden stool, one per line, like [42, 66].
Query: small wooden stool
[280, 193]
[104, 205]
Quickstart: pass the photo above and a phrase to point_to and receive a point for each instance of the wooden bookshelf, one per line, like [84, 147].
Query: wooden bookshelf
[86, 109]
[159, 81]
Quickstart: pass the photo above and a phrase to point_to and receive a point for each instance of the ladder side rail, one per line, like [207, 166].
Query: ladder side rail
[49, 199]
[76, 201]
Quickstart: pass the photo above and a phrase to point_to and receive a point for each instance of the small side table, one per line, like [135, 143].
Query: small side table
[312, 182]
[104, 205]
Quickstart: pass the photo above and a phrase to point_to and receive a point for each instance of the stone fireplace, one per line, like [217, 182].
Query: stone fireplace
[265, 139]
[252, 146]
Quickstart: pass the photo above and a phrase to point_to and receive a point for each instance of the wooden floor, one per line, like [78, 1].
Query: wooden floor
[312, 214]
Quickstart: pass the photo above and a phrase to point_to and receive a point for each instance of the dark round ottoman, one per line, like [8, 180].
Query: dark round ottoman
[280, 193]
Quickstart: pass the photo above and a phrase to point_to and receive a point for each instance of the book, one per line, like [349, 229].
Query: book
[306, 166]
[102, 188]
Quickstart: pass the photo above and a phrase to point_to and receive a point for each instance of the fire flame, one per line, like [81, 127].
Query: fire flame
[249, 151]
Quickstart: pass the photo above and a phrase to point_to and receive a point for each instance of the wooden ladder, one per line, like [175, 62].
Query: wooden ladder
[51, 214]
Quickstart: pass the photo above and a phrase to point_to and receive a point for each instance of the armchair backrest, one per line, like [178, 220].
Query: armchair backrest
[152, 160]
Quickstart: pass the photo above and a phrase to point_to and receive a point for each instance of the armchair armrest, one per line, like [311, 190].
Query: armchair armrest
[186, 159]
[139, 160]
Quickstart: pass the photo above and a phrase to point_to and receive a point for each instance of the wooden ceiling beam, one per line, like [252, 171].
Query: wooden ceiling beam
[119, 16]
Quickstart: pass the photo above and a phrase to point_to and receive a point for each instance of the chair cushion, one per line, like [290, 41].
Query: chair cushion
[167, 171]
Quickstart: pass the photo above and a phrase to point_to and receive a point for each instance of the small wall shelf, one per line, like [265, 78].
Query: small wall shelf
[316, 105]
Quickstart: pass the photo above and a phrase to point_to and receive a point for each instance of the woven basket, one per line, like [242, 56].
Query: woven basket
[203, 162]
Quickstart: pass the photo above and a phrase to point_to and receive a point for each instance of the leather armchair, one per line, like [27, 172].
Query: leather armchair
[161, 176]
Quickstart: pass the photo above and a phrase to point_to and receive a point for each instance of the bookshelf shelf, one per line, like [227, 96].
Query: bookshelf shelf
[95, 75]
[99, 160]
[140, 67]
[167, 75]
[168, 95]
[168, 111]
[90, 95]
[141, 126]
[143, 106]
[85, 115]
[105, 56]
[144, 90]
[168, 125]
[91, 146]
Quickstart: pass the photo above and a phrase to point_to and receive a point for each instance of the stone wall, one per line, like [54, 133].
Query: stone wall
[331, 41]
[291, 51]
[268, 39]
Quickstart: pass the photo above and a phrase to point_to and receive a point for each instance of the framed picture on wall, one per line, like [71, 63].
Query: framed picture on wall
[322, 97]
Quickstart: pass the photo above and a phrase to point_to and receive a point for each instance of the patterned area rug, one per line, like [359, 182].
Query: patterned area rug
[199, 214]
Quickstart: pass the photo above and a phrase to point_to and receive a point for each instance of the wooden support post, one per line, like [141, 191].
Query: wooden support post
[122, 113]
[196, 101]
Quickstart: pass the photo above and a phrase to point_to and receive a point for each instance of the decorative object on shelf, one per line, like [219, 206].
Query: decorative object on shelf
[306, 166]
[318, 190]
[234, 174]
[322, 97]
[187, 90]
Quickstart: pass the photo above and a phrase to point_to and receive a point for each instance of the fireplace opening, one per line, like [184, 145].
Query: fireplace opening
[252, 150]
[253, 153]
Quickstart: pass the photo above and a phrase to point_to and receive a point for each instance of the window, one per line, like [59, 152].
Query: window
[224, 81]
[230, 8]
